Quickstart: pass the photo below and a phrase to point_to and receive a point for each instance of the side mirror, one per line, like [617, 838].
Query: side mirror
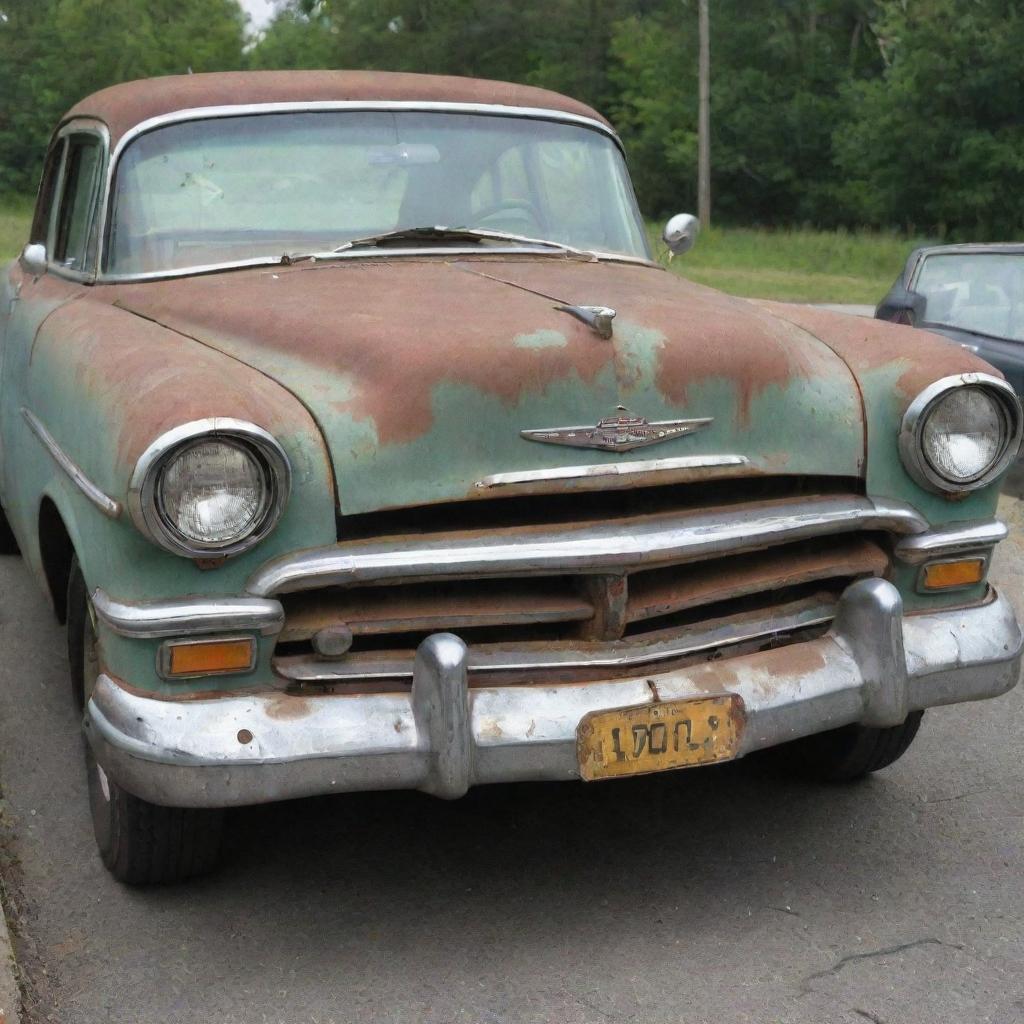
[33, 259]
[902, 306]
[680, 233]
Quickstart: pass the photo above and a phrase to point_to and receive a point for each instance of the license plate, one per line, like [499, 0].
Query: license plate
[657, 737]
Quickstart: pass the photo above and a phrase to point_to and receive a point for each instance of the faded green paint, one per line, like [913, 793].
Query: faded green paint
[810, 425]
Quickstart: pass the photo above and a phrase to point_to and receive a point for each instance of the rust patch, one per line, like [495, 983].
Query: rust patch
[664, 591]
[286, 708]
[361, 320]
[354, 322]
[156, 379]
[866, 344]
[706, 334]
[792, 661]
[123, 106]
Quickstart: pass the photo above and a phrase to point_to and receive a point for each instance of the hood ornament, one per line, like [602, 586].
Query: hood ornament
[619, 433]
[597, 318]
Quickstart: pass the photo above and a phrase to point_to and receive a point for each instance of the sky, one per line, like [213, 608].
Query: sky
[259, 11]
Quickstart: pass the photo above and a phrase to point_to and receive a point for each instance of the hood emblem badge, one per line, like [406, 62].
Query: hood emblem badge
[619, 433]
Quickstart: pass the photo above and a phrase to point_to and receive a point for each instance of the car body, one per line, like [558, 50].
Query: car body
[972, 294]
[448, 508]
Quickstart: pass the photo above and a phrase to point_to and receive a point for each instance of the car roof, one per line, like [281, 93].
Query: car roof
[123, 107]
[959, 248]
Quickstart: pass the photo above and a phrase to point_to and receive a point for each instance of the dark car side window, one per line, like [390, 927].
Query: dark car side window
[73, 229]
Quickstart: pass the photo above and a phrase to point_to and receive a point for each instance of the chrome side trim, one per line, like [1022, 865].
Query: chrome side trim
[916, 416]
[107, 505]
[248, 109]
[188, 616]
[644, 467]
[960, 538]
[591, 547]
[142, 491]
[539, 657]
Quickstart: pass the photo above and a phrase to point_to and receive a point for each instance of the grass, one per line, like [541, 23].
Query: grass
[15, 215]
[796, 265]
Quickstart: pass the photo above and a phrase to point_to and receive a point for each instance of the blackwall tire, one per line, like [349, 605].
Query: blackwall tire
[139, 842]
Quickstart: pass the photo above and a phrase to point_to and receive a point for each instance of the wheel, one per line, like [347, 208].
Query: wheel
[8, 543]
[140, 843]
[850, 753]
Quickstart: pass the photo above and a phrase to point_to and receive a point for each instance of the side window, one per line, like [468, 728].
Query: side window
[73, 228]
[47, 190]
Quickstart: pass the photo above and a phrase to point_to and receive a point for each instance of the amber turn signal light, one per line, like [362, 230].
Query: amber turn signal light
[184, 658]
[949, 575]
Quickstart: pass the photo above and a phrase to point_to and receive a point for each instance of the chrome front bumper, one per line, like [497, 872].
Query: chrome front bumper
[874, 667]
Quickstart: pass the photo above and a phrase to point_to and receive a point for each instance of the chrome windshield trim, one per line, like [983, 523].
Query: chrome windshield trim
[367, 254]
[641, 542]
[250, 109]
[730, 631]
[955, 539]
[188, 616]
[107, 505]
[640, 468]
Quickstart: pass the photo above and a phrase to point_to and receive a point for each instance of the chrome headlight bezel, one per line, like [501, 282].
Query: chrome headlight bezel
[143, 493]
[917, 463]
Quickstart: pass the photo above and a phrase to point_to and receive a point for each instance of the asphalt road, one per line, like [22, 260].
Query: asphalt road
[720, 895]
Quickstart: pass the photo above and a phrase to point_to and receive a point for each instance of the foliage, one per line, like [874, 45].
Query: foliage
[888, 113]
[54, 52]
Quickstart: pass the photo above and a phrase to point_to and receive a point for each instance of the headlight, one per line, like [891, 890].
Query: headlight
[961, 432]
[210, 488]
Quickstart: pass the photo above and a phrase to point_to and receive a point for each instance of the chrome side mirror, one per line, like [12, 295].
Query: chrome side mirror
[680, 233]
[33, 259]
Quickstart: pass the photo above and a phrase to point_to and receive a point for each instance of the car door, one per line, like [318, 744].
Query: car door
[66, 224]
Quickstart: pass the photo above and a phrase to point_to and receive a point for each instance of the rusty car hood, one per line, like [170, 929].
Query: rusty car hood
[421, 373]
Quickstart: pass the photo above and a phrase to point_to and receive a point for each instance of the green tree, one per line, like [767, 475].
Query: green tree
[936, 141]
[54, 52]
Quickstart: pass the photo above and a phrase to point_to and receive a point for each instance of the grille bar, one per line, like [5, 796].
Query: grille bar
[622, 544]
[663, 645]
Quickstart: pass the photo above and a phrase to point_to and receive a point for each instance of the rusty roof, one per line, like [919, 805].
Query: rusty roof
[122, 107]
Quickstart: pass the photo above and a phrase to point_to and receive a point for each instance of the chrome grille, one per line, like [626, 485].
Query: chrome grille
[585, 595]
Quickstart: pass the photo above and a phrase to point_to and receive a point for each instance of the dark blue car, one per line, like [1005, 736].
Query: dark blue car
[973, 294]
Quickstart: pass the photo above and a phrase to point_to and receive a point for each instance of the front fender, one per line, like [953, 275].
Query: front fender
[105, 384]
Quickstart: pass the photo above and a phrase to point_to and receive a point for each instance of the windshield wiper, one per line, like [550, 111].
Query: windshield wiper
[438, 233]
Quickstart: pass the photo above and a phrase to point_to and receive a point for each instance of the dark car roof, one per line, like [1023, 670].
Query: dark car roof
[122, 107]
[966, 248]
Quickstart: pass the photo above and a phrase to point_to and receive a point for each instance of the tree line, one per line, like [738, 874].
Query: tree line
[901, 114]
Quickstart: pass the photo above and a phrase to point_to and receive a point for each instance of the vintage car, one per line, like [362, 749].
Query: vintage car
[361, 443]
[972, 294]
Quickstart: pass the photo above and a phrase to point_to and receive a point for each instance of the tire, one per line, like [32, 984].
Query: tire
[850, 753]
[8, 543]
[139, 842]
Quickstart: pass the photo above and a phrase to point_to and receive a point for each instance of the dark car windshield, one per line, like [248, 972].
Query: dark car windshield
[223, 190]
[981, 292]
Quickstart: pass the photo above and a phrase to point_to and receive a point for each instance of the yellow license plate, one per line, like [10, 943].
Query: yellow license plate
[657, 737]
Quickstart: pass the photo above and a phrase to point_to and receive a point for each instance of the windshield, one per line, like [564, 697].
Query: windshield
[981, 292]
[206, 192]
